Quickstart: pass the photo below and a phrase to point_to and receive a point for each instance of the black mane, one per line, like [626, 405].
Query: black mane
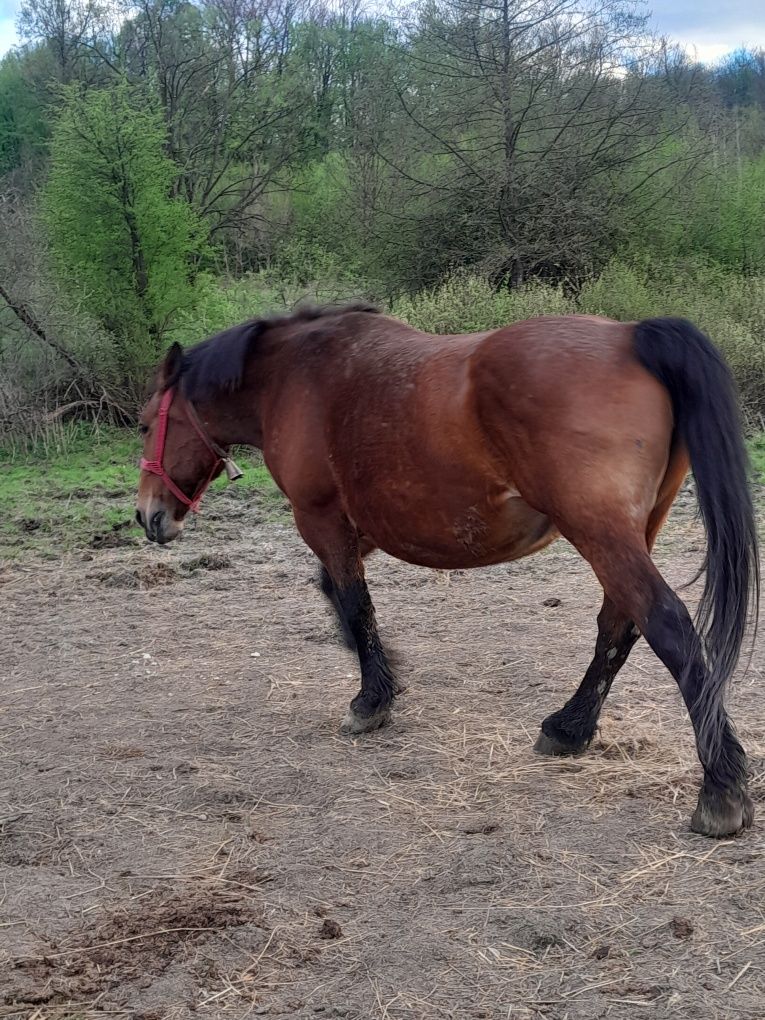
[217, 364]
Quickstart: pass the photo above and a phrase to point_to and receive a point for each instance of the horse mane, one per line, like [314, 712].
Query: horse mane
[217, 364]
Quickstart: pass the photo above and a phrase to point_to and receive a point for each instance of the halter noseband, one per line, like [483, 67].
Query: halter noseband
[156, 467]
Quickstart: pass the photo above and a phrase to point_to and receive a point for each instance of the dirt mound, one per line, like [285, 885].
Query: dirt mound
[118, 537]
[148, 576]
[131, 947]
[207, 561]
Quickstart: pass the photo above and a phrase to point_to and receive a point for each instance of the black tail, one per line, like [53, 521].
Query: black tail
[707, 420]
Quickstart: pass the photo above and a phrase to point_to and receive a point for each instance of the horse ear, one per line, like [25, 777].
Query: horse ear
[170, 368]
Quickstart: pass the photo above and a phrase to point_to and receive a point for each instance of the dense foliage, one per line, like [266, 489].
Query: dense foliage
[116, 232]
[169, 166]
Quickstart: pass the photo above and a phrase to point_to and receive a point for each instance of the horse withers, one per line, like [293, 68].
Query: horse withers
[464, 451]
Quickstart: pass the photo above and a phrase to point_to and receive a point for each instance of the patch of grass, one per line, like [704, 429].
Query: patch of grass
[757, 454]
[81, 492]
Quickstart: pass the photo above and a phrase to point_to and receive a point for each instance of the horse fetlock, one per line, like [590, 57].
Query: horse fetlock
[721, 813]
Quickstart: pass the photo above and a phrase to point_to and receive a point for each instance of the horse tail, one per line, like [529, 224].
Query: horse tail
[707, 421]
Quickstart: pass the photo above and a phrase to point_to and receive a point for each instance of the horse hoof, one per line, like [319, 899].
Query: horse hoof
[722, 813]
[551, 746]
[353, 723]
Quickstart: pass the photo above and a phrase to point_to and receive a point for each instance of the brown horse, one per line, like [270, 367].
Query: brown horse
[462, 451]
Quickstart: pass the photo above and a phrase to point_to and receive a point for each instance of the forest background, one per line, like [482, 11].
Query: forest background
[169, 168]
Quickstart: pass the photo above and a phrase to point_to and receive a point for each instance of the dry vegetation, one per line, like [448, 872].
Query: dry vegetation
[184, 832]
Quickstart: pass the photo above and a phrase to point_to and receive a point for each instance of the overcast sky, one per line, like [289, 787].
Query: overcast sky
[707, 28]
[710, 28]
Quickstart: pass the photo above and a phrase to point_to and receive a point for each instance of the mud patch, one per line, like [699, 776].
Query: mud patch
[149, 576]
[117, 537]
[207, 561]
[134, 946]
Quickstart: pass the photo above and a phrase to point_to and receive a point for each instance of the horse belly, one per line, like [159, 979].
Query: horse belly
[514, 530]
[472, 535]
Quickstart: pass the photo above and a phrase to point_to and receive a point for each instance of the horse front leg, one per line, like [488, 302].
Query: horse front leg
[337, 544]
[327, 587]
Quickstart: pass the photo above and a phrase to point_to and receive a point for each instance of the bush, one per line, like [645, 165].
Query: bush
[220, 303]
[466, 303]
[123, 246]
[729, 308]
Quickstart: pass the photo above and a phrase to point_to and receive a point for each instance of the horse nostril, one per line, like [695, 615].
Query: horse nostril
[156, 520]
[139, 517]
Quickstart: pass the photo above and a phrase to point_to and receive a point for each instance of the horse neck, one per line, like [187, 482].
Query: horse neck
[235, 418]
[240, 418]
[231, 419]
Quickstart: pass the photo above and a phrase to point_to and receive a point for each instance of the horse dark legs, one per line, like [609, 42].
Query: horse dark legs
[335, 542]
[371, 706]
[724, 805]
[571, 729]
[636, 587]
[330, 592]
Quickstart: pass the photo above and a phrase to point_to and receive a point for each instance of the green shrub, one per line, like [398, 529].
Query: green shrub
[124, 247]
[466, 303]
[728, 307]
[220, 303]
[620, 292]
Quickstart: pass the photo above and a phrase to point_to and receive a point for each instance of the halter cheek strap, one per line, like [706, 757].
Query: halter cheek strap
[156, 466]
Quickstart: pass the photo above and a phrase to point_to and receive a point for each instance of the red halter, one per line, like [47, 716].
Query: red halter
[156, 466]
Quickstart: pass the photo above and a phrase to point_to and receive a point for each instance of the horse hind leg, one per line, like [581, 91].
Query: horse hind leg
[635, 586]
[570, 730]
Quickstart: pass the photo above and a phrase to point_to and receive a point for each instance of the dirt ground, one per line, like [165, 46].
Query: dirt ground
[184, 831]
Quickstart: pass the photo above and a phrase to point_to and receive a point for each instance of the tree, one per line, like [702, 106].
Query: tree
[23, 124]
[63, 26]
[521, 138]
[529, 111]
[741, 78]
[233, 110]
[120, 241]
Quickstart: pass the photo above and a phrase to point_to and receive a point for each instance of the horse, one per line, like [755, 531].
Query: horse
[469, 450]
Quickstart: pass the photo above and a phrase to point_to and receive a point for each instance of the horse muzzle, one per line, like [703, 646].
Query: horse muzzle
[158, 525]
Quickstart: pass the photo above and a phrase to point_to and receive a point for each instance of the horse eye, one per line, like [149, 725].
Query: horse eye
[143, 429]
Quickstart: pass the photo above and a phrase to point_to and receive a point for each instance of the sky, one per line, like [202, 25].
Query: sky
[8, 10]
[708, 29]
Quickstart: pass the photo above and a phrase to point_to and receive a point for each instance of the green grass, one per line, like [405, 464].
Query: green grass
[80, 491]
